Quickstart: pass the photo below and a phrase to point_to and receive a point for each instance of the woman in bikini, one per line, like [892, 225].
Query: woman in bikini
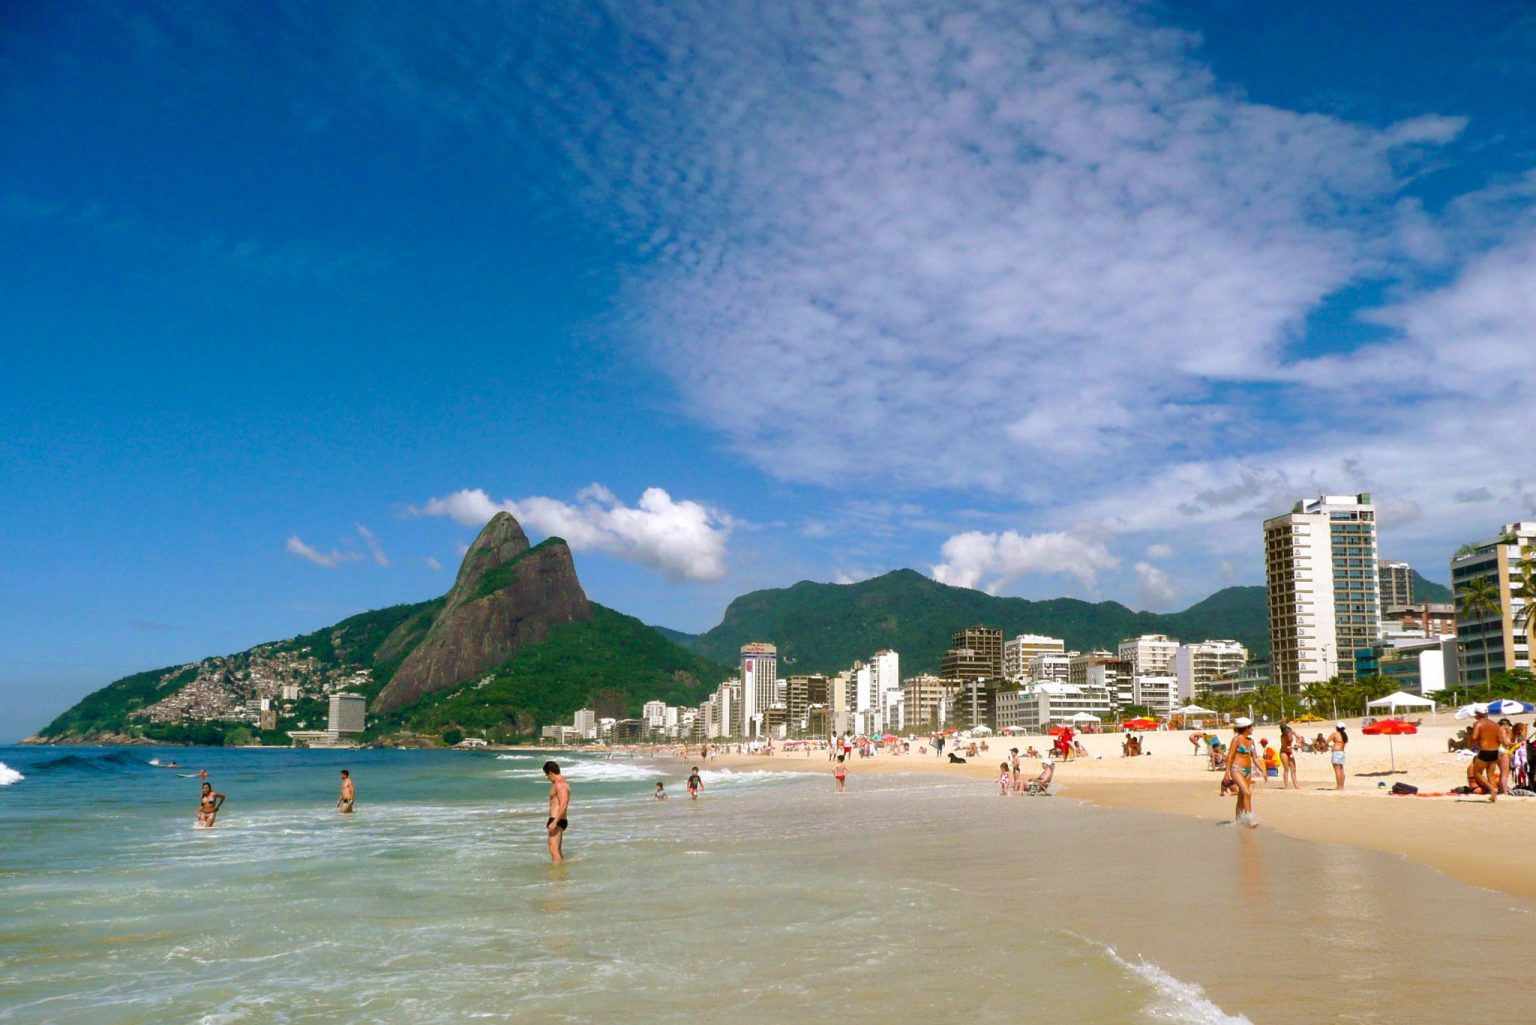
[208, 806]
[1242, 762]
[1288, 779]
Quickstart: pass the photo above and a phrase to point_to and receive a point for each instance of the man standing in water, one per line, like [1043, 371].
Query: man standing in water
[348, 794]
[559, 804]
[1485, 737]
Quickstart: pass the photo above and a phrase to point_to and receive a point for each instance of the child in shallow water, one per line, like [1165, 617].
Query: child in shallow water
[1004, 780]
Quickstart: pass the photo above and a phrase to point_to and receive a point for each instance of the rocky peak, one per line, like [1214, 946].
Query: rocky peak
[500, 541]
[505, 597]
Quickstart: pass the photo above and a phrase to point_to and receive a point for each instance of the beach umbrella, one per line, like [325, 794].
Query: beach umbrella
[890, 738]
[1390, 728]
[1141, 723]
[1509, 706]
[1468, 711]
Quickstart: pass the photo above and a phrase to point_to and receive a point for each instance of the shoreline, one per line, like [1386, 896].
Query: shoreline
[1465, 838]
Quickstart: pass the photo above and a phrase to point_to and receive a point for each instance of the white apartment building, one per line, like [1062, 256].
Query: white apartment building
[885, 683]
[1102, 669]
[1050, 667]
[585, 723]
[759, 678]
[1149, 654]
[348, 714]
[655, 714]
[1197, 665]
[1493, 642]
[1159, 694]
[1042, 704]
[1018, 652]
[1320, 567]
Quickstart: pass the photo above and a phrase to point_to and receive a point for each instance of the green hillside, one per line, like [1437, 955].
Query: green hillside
[1428, 590]
[352, 642]
[825, 627]
[612, 664]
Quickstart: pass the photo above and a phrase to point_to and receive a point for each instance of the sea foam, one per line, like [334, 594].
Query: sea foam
[9, 775]
[1177, 1000]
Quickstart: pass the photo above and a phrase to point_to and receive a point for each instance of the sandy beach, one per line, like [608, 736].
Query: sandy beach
[1465, 837]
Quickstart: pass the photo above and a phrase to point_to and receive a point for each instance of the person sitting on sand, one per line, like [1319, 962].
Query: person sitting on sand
[1078, 749]
[1030, 752]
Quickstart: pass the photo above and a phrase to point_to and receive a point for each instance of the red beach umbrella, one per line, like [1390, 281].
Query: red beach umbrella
[1141, 723]
[1390, 728]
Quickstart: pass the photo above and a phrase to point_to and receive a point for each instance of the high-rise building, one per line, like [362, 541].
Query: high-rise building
[801, 692]
[1396, 583]
[924, 698]
[1050, 667]
[885, 682]
[975, 653]
[348, 713]
[1102, 669]
[1324, 596]
[1149, 654]
[759, 674]
[1424, 618]
[585, 722]
[1494, 640]
[654, 713]
[1197, 665]
[1018, 652]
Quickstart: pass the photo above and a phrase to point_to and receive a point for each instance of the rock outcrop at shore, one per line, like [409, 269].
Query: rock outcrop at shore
[506, 596]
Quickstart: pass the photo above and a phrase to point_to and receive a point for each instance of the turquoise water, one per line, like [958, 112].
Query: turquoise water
[772, 898]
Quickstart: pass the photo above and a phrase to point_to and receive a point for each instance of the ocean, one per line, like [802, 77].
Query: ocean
[770, 899]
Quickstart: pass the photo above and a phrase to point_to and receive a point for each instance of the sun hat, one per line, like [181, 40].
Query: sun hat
[1242, 722]
[1338, 726]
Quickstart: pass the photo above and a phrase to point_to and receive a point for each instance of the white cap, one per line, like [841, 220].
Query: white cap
[1242, 722]
[1338, 725]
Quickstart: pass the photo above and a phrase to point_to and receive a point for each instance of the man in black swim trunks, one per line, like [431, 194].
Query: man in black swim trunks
[559, 804]
[1485, 738]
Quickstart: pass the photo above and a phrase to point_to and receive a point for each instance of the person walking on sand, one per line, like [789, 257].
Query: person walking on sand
[1288, 779]
[695, 784]
[208, 806]
[1241, 766]
[1338, 740]
[559, 805]
[840, 773]
[1485, 740]
[348, 794]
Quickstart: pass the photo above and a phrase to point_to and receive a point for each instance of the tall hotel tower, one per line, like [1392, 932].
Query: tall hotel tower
[759, 671]
[1324, 593]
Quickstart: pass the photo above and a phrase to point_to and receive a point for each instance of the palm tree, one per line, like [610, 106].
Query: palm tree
[1524, 588]
[1478, 599]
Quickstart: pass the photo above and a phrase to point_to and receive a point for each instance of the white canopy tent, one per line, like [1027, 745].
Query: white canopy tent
[1192, 710]
[1085, 717]
[1402, 699]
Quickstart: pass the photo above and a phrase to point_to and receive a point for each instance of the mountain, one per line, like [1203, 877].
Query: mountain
[1428, 590]
[823, 628]
[507, 596]
[514, 645]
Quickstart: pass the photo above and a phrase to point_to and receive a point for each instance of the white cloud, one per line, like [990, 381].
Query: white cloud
[1153, 587]
[433, 564]
[1159, 551]
[375, 550]
[993, 561]
[330, 560]
[684, 540]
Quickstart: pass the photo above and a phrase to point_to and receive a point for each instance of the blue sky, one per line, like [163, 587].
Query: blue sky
[1057, 298]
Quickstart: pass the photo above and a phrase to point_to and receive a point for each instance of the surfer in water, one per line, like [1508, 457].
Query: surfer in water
[208, 806]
